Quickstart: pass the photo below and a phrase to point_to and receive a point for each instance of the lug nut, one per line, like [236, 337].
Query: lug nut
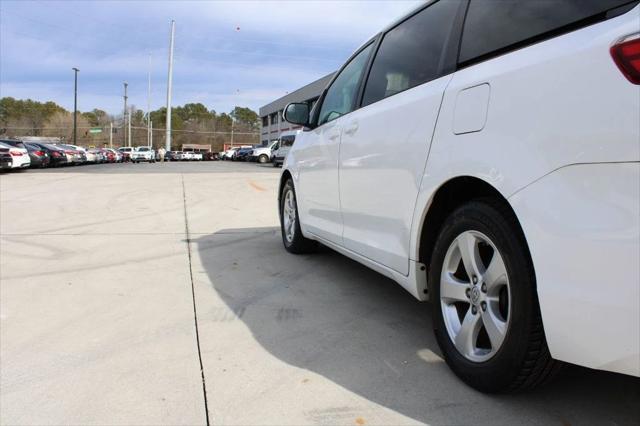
[474, 310]
[474, 279]
[468, 292]
[484, 288]
[484, 306]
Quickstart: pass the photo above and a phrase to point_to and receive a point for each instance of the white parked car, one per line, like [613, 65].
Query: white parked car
[263, 154]
[488, 160]
[143, 153]
[187, 155]
[19, 156]
[283, 146]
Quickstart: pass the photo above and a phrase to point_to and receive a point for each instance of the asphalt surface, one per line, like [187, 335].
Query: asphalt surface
[161, 294]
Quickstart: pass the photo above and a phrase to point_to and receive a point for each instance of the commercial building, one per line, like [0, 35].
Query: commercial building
[271, 114]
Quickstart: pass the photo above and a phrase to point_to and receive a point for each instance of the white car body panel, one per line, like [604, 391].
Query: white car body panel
[316, 159]
[383, 152]
[589, 300]
[553, 127]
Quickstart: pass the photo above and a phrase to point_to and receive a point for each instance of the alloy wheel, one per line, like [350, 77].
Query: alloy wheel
[475, 296]
[289, 216]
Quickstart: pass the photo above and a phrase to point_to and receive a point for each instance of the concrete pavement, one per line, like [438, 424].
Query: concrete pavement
[99, 269]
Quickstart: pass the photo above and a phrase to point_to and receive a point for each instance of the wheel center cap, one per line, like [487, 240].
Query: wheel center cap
[475, 295]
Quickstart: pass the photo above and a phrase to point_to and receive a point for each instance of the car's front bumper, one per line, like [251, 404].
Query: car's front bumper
[582, 224]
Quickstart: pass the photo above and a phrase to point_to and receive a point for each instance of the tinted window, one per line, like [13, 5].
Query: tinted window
[341, 96]
[412, 53]
[287, 140]
[494, 25]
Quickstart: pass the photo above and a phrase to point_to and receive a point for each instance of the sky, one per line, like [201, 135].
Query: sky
[227, 53]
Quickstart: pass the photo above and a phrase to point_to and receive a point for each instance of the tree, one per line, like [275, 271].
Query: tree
[96, 117]
[246, 116]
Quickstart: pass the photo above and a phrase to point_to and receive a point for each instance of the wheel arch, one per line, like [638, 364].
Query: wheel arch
[448, 197]
[286, 175]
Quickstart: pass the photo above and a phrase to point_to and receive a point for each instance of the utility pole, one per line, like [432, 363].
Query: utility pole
[111, 135]
[124, 117]
[75, 106]
[169, 83]
[129, 121]
[150, 133]
[149, 105]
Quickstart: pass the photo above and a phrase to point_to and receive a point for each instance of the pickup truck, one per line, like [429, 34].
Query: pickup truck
[263, 154]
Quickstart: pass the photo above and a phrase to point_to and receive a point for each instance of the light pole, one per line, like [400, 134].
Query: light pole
[75, 106]
[124, 117]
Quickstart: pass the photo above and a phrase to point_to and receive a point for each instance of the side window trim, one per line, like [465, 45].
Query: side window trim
[451, 52]
[356, 104]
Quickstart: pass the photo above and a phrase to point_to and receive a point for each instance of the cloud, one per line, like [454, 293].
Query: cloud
[279, 47]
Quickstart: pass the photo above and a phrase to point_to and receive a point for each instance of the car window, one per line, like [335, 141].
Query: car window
[341, 96]
[495, 25]
[287, 140]
[16, 144]
[411, 53]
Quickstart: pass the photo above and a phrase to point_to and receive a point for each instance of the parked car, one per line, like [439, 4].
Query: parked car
[211, 156]
[242, 154]
[263, 154]
[92, 156]
[487, 159]
[187, 156]
[230, 153]
[6, 161]
[57, 155]
[125, 151]
[174, 156]
[143, 153]
[39, 157]
[110, 155]
[282, 147]
[197, 156]
[78, 154]
[19, 154]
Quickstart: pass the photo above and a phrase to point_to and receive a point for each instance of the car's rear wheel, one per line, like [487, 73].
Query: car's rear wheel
[263, 159]
[294, 241]
[485, 306]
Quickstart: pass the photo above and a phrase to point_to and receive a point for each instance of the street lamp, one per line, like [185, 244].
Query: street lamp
[75, 106]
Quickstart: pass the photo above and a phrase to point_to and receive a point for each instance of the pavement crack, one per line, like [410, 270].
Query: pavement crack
[193, 298]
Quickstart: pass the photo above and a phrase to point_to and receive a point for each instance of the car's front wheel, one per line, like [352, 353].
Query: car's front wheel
[485, 306]
[294, 241]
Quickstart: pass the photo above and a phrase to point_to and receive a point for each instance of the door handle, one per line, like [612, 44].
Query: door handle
[352, 128]
[334, 136]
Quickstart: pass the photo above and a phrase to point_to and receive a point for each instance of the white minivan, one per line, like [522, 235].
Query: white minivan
[486, 156]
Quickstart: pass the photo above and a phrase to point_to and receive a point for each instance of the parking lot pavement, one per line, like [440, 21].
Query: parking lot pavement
[97, 315]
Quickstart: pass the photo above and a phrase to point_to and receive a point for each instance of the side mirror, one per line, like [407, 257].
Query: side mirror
[297, 113]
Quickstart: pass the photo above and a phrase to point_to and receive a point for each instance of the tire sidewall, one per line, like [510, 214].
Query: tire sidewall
[500, 371]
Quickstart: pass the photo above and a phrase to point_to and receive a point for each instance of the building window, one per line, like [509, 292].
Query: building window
[265, 121]
[274, 118]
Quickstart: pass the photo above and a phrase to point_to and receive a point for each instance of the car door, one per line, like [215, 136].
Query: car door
[386, 142]
[316, 155]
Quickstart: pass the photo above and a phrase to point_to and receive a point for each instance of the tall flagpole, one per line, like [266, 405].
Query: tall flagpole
[169, 83]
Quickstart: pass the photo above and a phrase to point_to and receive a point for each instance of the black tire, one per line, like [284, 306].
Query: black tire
[523, 360]
[299, 244]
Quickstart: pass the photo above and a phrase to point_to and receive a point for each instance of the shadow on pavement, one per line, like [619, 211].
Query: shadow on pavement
[328, 314]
